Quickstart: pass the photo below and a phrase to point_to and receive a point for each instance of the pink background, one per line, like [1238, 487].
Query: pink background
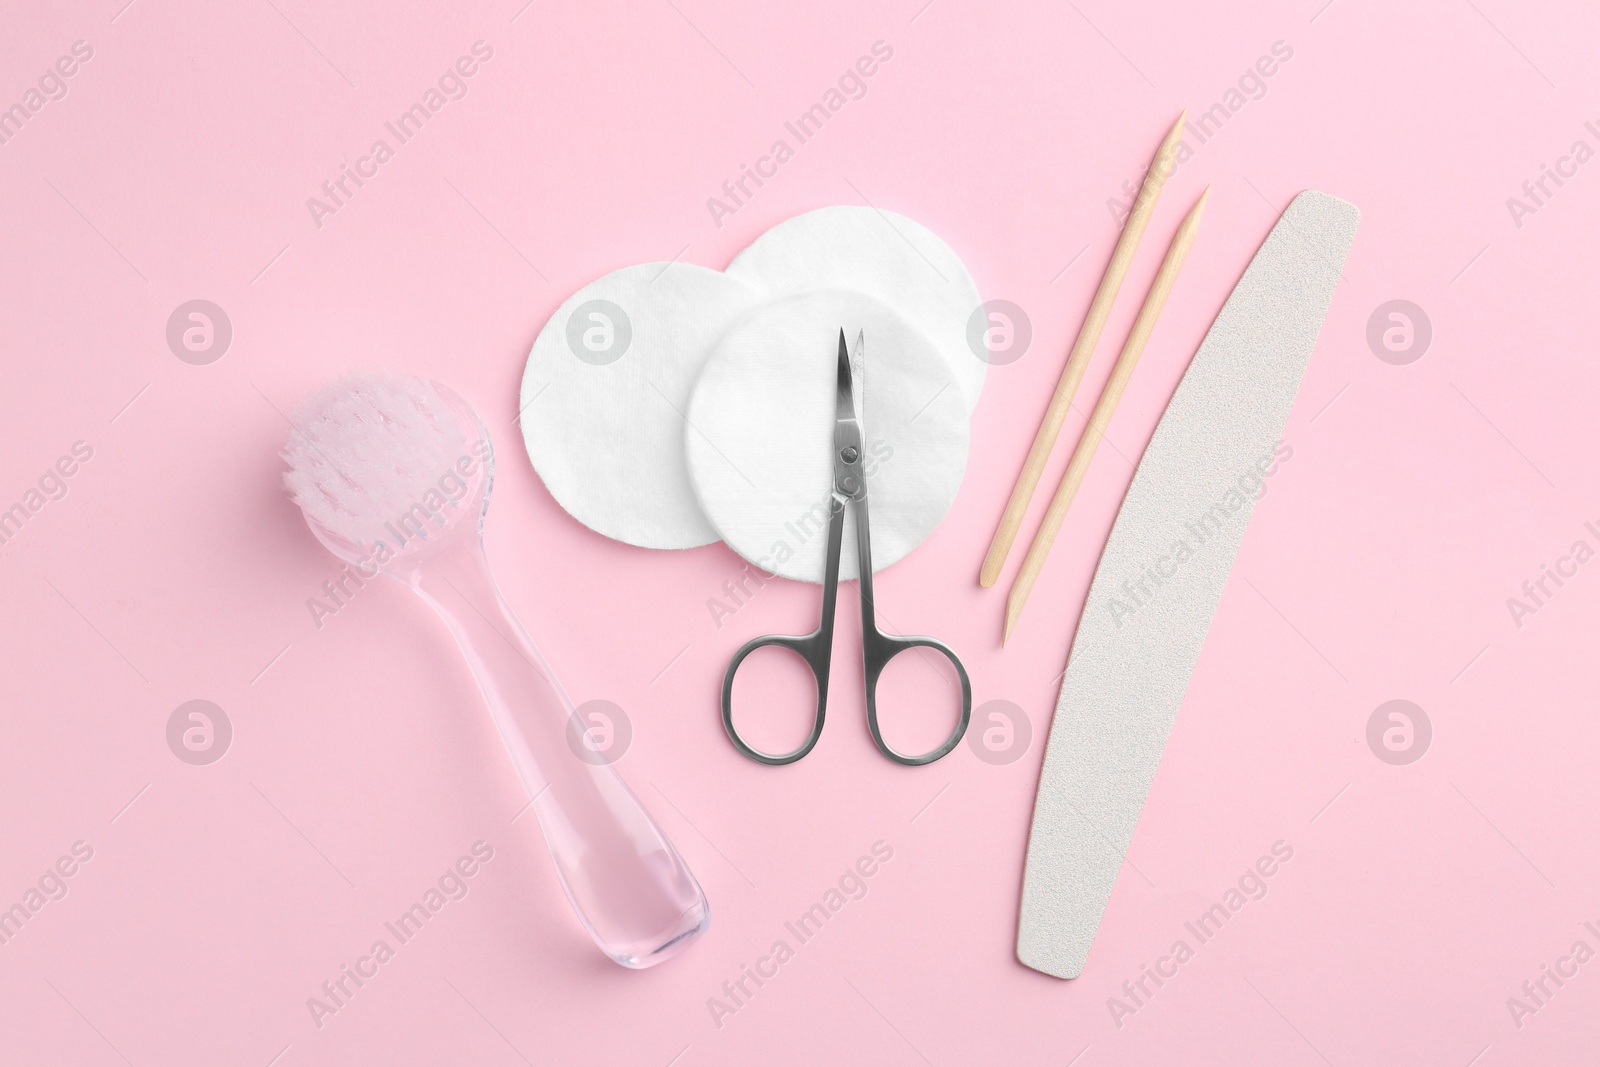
[219, 898]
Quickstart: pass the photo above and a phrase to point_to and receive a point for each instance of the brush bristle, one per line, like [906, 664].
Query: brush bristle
[367, 448]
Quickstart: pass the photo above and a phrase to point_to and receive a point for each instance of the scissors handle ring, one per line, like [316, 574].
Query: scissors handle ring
[877, 650]
[810, 649]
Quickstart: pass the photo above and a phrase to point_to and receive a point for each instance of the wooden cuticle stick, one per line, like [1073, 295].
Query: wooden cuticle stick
[1104, 408]
[1161, 167]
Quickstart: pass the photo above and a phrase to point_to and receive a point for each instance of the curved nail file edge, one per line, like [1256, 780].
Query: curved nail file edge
[1135, 650]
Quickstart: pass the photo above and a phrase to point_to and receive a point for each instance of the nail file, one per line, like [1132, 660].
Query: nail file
[1142, 628]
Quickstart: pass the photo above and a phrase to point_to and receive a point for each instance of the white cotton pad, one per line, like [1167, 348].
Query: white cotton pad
[883, 255]
[605, 392]
[760, 442]
[1162, 574]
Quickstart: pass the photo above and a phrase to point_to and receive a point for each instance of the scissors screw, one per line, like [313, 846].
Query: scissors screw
[849, 453]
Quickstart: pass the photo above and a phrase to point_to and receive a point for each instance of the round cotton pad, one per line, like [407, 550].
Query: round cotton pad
[604, 396]
[884, 255]
[760, 443]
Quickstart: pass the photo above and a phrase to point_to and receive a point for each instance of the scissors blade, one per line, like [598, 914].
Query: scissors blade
[846, 431]
[858, 368]
[844, 394]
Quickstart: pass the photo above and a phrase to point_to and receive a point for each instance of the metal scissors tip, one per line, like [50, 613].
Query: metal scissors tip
[845, 392]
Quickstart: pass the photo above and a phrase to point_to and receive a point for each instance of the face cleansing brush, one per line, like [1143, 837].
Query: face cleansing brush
[395, 472]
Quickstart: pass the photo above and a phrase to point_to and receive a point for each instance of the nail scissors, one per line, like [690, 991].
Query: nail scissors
[877, 647]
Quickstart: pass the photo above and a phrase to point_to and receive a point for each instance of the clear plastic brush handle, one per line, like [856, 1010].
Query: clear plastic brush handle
[626, 881]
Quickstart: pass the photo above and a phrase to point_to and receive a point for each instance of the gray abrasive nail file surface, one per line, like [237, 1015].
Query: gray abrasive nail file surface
[1136, 648]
